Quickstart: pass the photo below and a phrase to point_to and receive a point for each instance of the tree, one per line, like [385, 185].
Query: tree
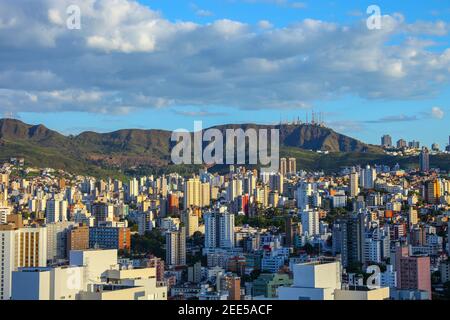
[150, 243]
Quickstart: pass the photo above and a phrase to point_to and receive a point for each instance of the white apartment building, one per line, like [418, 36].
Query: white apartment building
[313, 281]
[24, 247]
[60, 283]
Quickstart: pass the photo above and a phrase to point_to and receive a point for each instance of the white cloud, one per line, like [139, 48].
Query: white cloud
[264, 24]
[128, 56]
[437, 113]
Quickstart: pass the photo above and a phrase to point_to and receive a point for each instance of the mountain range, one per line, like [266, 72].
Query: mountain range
[133, 151]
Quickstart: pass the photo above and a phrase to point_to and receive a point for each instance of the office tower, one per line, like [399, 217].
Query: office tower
[386, 141]
[304, 192]
[415, 273]
[78, 239]
[219, 230]
[283, 166]
[176, 247]
[57, 233]
[401, 144]
[192, 193]
[310, 222]
[354, 184]
[20, 247]
[292, 166]
[110, 238]
[56, 211]
[424, 160]
[190, 220]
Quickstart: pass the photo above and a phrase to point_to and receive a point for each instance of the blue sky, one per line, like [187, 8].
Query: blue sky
[406, 93]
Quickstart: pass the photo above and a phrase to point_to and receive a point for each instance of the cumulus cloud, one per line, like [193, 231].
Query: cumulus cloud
[127, 56]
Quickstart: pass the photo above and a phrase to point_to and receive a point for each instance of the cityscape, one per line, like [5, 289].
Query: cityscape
[225, 157]
[362, 233]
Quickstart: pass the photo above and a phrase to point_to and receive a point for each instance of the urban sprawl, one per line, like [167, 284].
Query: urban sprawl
[363, 233]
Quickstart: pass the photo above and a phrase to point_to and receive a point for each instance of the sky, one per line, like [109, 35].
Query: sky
[165, 64]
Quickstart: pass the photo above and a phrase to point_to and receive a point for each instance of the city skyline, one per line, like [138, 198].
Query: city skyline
[163, 68]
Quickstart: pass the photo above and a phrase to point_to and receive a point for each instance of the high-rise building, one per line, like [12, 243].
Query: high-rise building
[432, 191]
[283, 166]
[401, 144]
[415, 273]
[20, 247]
[56, 210]
[349, 239]
[386, 141]
[195, 273]
[78, 239]
[192, 193]
[304, 192]
[276, 182]
[110, 238]
[57, 233]
[232, 284]
[368, 177]
[205, 194]
[292, 166]
[354, 184]
[424, 160]
[176, 247]
[219, 229]
[4, 213]
[234, 189]
[413, 218]
[310, 222]
[190, 220]
[172, 204]
[103, 212]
